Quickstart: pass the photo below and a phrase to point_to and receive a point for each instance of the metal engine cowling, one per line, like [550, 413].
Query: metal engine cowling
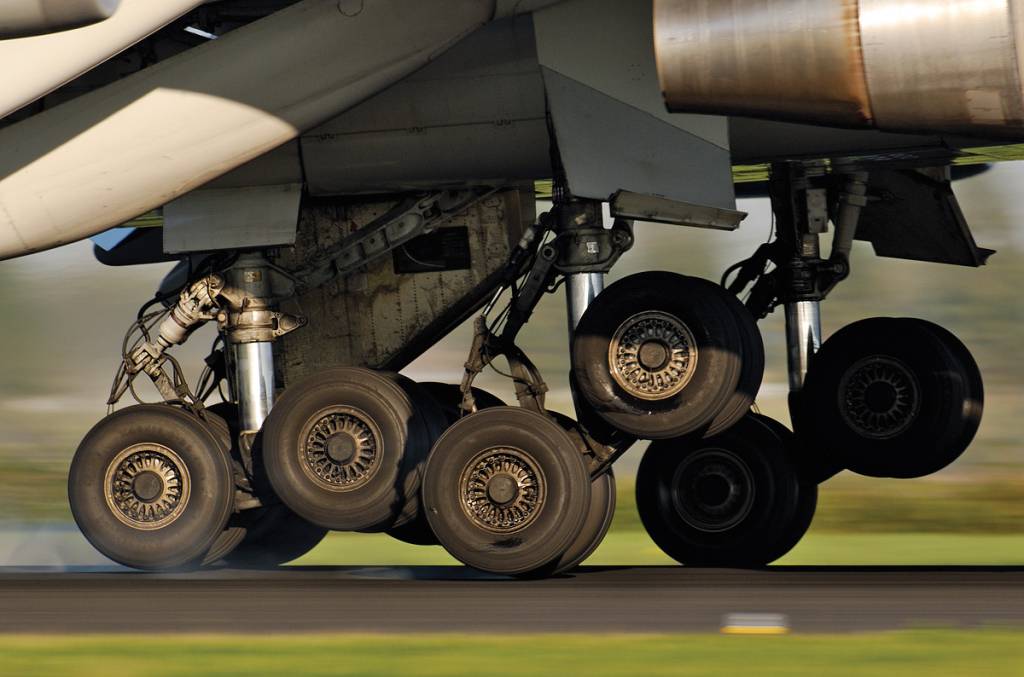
[947, 66]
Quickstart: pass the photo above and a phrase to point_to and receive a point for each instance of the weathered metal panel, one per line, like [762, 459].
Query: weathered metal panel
[232, 218]
[918, 217]
[613, 130]
[474, 115]
[609, 146]
[377, 317]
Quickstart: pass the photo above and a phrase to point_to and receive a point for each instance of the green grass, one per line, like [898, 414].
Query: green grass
[932, 652]
[623, 548]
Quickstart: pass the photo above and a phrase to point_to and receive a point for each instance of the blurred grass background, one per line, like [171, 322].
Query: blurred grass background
[64, 315]
[910, 653]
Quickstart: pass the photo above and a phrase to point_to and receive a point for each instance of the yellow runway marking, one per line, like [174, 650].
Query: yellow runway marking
[754, 630]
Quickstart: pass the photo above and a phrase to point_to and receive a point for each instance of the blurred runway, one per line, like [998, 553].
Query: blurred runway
[452, 599]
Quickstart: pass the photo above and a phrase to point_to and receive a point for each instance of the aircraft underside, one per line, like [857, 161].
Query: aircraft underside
[338, 218]
[319, 432]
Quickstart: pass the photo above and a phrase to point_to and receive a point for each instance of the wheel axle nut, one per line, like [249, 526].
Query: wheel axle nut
[503, 489]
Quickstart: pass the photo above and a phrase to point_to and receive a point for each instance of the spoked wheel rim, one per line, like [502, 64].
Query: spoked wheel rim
[503, 490]
[653, 355]
[713, 490]
[879, 397]
[147, 486]
[484, 523]
[340, 448]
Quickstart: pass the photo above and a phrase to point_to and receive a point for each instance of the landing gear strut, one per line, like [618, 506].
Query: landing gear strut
[881, 397]
[173, 438]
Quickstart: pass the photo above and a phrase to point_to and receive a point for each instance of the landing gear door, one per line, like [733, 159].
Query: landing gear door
[613, 130]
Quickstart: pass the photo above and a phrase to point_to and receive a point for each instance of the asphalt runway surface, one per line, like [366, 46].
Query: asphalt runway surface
[452, 599]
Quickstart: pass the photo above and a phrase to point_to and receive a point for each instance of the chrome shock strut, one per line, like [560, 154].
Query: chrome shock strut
[805, 279]
[251, 324]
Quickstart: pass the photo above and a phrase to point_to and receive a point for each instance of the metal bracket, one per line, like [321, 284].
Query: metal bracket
[529, 384]
[406, 221]
[800, 274]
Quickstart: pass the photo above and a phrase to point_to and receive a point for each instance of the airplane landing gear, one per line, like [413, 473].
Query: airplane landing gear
[150, 488]
[882, 397]
[343, 449]
[893, 397]
[602, 503]
[262, 532]
[660, 355]
[732, 500]
[507, 492]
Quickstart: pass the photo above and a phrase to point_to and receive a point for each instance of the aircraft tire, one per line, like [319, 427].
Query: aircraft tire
[595, 528]
[795, 527]
[344, 447]
[596, 430]
[888, 396]
[272, 535]
[658, 356]
[507, 492]
[733, 500]
[752, 372]
[602, 504]
[447, 399]
[150, 488]
[216, 421]
[975, 400]
[262, 537]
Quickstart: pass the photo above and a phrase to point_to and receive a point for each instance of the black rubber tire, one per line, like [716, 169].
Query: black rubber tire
[816, 463]
[602, 504]
[974, 406]
[533, 549]
[449, 397]
[598, 434]
[929, 440]
[595, 528]
[791, 530]
[388, 495]
[272, 535]
[263, 537]
[432, 424]
[769, 492]
[714, 379]
[216, 419]
[182, 543]
[441, 411]
[752, 371]
[416, 531]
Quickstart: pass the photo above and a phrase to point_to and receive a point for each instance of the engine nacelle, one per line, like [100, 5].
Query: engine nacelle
[945, 66]
[20, 18]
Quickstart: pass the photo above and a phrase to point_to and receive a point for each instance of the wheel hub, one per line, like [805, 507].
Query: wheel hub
[502, 490]
[879, 397]
[341, 449]
[713, 490]
[652, 355]
[147, 486]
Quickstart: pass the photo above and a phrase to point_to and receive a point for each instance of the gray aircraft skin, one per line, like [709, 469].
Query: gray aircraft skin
[345, 181]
